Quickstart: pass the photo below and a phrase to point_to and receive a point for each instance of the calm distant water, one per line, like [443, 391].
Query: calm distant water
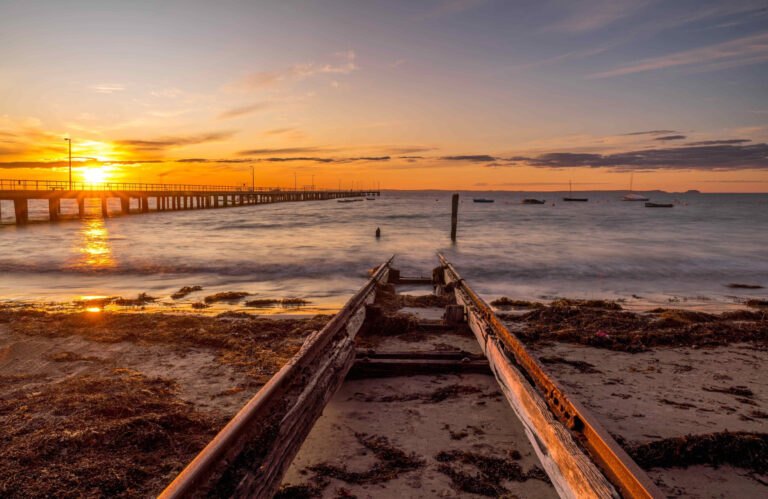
[321, 250]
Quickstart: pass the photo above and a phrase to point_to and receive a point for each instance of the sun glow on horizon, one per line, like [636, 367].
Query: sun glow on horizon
[95, 174]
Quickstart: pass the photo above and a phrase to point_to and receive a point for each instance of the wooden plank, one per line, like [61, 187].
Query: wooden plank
[250, 454]
[547, 416]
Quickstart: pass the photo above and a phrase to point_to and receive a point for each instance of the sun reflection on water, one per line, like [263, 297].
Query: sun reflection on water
[94, 248]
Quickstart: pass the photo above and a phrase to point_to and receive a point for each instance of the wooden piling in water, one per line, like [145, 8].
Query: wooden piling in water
[454, 215]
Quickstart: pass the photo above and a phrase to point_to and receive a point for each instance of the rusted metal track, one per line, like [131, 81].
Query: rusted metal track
[251, 453]
[603, 450]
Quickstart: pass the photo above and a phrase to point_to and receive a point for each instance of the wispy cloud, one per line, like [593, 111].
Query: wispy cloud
[743, 51]
[718, 142]
[284, 150]
[475, 158]
[581, 16]
[107, 88]
[651, 132]
[279, 131]
[174, 142]
[344, 64]
[243, 110]
[671, 137]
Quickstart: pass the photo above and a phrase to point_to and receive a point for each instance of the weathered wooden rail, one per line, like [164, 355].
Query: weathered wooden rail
[249, 457]
[151, 197]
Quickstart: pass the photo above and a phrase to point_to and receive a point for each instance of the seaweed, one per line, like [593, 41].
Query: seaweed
[581, 366]
[285, 302]
[391, 462]
[741, 449]
[756, 303]
[120, 436]
[744, 286]
[492, 470]
[142, 299]
[186, 290]
[741, 391]
[507, 303]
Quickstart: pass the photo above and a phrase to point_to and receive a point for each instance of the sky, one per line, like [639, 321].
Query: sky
[429, 94]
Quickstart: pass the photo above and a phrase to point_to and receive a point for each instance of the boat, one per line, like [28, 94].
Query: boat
[482, 200]
[570, 195]
[632, 196]
[370, 199]
[659, 205]
[532, 201]
[252, 453]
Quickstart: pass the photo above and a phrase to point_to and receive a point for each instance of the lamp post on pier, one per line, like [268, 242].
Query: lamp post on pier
[253, 179]
[70, 162]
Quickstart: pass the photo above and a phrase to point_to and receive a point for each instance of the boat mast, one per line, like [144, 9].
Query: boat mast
[570, 189]
[631, 178]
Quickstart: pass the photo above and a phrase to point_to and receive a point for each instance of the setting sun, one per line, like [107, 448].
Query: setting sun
[95, 175]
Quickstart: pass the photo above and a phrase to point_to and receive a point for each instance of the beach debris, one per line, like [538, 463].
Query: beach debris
[200, 305]
[269, 302]
[745, 450]
[756, 303]
[142, 299]
[507, 303]
[581, 366]
[230, 296]
[186, 290]
[744, 286]
[391, 462]
[680, 405]
[492, 470]
[122, 437]
[741, 391]
[378, 232]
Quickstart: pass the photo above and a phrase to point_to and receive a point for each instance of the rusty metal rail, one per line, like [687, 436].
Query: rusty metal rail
[250, 454]
[604, 451]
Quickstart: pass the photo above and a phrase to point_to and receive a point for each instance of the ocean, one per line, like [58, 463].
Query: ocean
[321, 250]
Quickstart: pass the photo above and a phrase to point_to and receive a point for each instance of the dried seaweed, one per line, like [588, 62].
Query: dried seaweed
[507, 303]
[744, 286]
[268, 302]
[122, 436]
[581, 366]
[741, 449]
[741, 391]
[390, 464]
[492, 470]
[186, 290]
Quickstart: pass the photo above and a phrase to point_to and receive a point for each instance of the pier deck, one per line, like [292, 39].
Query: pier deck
[153, 197]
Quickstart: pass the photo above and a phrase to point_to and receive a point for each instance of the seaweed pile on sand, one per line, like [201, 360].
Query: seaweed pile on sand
[390, 463]
[184, 291]
[490, 471]
[390, 301]
[744, 450]
[606, 325]
[117, 436]
[258, 347]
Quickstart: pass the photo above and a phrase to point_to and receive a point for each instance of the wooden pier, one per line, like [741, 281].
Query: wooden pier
[152, 197]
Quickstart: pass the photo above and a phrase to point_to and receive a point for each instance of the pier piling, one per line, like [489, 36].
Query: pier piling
[454, 215]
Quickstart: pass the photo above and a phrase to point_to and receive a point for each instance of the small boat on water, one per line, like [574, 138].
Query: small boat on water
[659, 205]
[570, 195]
[370, 199]
[532, 201]
[482, 200]
[632, 196]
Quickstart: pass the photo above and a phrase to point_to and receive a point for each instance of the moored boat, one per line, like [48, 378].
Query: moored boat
[633, 196]
[570, 195]
[482, 200]
[532, 201]
[659, 205]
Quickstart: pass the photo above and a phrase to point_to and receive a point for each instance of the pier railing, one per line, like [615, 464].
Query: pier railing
[64, 185]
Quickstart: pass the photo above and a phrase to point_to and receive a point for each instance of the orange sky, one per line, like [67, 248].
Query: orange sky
[445, 95]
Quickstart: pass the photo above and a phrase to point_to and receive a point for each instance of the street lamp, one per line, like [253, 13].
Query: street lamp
[253, 179]
[70, 162]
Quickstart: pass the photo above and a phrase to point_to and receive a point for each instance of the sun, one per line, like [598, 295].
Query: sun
[95, 175]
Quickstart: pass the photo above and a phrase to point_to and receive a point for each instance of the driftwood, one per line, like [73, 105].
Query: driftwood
[572, 471]
[252, 452]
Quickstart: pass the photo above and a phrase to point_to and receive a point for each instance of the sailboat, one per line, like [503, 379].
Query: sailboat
[570, 194]
[632, 196]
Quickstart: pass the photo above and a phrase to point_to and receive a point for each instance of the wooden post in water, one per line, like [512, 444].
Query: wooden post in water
[454, 215]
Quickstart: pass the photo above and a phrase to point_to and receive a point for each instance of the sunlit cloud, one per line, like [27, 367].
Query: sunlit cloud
[174, 142]
[243, 110]
[107, 88]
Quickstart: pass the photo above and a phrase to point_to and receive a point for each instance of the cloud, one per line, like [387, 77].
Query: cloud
[319, 160]
[407, 149]
[652, 132]
[328, 160]
[204, 160]
[671, 137]
[411, 157]
[285, 150]
[76, 163]
[279, 131]
[240, 111]
[477, 158]
[590, 15]
[173, 142]
[107, 88]
[345, 64]
[742, 51]
[499, 164]
[712, 158]
[718, 142]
